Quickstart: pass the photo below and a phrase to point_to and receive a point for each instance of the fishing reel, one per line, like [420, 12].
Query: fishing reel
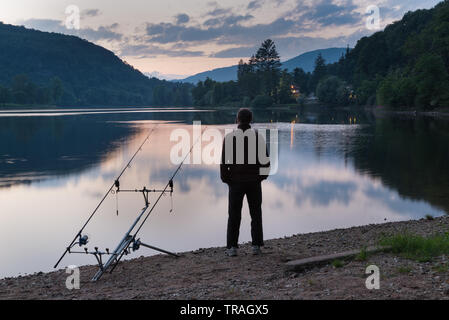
[83, 240]
[136, 245]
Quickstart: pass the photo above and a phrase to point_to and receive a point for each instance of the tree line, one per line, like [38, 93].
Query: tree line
[23, 91]
[261, 82]
[404, 66]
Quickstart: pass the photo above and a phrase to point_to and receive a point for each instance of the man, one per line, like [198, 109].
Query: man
[244, 165]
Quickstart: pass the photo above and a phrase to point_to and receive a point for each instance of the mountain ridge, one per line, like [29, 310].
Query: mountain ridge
[304, 61]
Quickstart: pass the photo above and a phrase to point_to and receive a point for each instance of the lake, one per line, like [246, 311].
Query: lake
[337, 169]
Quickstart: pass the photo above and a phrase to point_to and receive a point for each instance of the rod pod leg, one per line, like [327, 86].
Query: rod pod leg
[159, 249]
[122, 246]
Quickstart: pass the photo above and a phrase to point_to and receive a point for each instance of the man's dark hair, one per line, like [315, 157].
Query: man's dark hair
[245, 116]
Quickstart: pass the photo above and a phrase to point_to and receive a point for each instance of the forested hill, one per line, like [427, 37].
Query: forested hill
[406, 65]
[41, 68]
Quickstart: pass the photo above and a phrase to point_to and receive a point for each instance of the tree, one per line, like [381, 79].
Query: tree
[4, 95]
[301, 79]
[198, 93]
[56, 89]
[432, 81]
[268, 64]
[333, 91]
[319, 72]
[23, 90]
[243, 69]
[267, 58]
[366, 93]
[262, 102]
[284, 89]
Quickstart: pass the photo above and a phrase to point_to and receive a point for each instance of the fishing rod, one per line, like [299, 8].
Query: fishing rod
[129, 240]
[83, 240]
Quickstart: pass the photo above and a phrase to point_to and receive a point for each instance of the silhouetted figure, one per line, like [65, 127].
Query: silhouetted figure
[244, 165]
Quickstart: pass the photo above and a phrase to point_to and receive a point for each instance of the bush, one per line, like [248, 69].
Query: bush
[366, 93]
[396, 90]
[246, 102]
[332, 90]
[261, 102]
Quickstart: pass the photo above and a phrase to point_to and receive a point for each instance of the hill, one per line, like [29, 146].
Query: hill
[220, 74]
[305, 61]
[404, 66]
[34, 64]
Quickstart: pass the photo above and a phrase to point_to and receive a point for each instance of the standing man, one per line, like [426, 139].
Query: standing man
[244, 165]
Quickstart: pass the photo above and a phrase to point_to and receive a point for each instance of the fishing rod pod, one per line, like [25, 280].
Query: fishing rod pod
[129, 242]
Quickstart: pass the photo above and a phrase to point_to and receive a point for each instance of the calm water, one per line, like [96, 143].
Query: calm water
[336, 169]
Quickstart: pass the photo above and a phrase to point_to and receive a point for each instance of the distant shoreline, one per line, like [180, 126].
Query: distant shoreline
[44, 107]
[315, 104]
[378, 111]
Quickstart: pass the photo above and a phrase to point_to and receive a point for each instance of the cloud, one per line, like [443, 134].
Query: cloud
[231, 32]
[168, 33]
[224, 27]
[102, 33]
[163, 76]
[182, 18]
[230, 20]
[91, 12]
[151, 51]
[49, 25]
[289, 47]
[255, 4]
[279, 2]
[219, 12]
[327, 13]
[326, 192]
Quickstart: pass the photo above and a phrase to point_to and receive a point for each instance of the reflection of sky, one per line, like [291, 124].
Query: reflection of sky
[315, 189]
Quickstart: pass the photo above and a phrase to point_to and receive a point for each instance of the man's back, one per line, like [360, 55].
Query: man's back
[244, 154]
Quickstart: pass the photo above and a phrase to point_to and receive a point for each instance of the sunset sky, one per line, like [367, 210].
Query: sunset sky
[174, 39]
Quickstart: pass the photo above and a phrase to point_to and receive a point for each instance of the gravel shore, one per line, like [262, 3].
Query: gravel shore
[209, 274]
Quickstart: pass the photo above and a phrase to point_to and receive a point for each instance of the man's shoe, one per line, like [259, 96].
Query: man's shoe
[232, 252]
[256, 250]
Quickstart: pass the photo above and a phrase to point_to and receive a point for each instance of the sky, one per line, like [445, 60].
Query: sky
[174, 39]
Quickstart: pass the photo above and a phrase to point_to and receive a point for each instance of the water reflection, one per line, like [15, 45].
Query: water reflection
[333, 172]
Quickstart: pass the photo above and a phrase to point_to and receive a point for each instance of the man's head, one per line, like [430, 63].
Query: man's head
[245, 116]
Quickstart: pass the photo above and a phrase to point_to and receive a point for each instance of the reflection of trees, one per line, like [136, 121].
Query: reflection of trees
[36, 147]
[410, 156]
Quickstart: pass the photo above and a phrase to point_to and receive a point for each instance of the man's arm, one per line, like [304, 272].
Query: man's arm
[224, 169]
[265, 167]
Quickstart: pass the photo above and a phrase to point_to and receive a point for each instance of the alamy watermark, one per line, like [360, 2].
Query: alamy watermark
[73, 19]
[373, 19]
[73, 280]
[373, 281]
[236, 151]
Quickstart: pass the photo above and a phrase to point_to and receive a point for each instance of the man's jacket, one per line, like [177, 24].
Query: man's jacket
[241, 160]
